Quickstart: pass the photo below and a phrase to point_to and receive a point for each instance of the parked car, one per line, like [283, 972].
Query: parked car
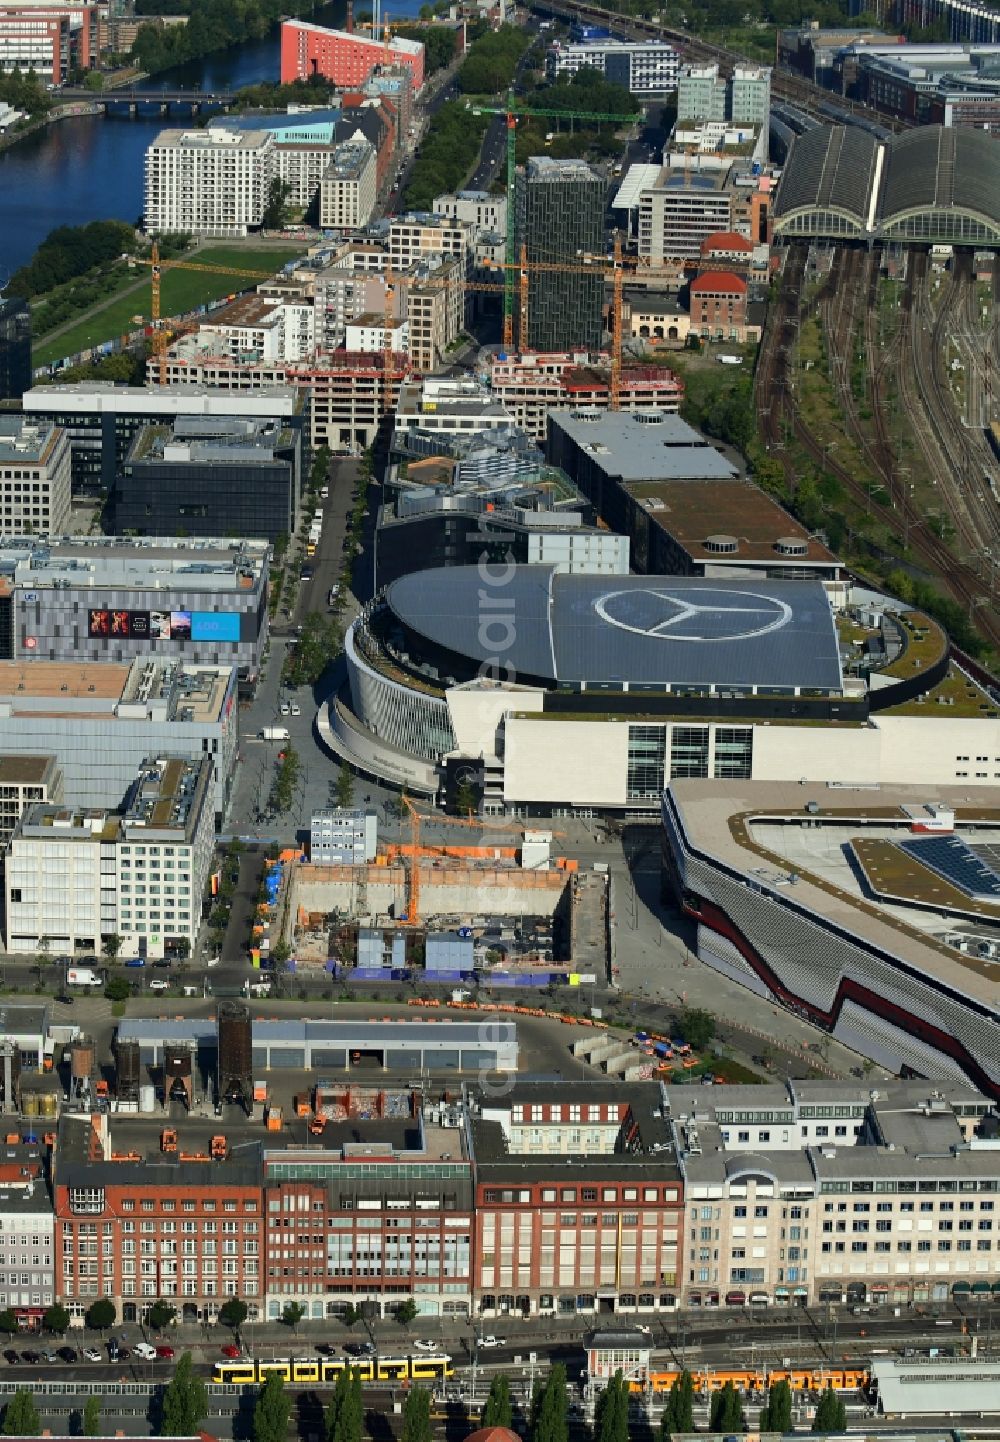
[423, 1346]
[295, 709]
[232, 1351]
[488, 1342]
[285, 708]
[67, 1354]
[91, 1354]
[50, 1357]
[166, 1354]
[359, 1349]
[324, 493]
[144, 1351]
[136, 961]
[162, 961]
[159, 983]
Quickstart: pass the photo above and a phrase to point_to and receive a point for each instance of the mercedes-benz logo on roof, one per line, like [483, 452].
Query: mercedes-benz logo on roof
[657, 612]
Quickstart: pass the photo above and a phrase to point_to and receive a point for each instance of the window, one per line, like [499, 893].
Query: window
[647, 747]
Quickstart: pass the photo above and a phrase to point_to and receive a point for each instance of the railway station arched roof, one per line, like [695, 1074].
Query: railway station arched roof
[942, 186]
[826, 187]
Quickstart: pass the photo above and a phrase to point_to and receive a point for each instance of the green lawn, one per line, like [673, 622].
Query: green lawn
[181, 291]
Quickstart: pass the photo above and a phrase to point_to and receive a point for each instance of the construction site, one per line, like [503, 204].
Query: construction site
[504, 914]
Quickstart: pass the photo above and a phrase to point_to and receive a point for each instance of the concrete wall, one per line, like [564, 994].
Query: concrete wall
[569, 762]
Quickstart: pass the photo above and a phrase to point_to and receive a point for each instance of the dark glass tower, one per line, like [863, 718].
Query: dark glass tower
[560, 216]
[15, 348]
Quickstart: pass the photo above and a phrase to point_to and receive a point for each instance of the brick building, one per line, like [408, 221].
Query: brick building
[348, 60]
[134, 1222]
[718, 305]
[579, 1200]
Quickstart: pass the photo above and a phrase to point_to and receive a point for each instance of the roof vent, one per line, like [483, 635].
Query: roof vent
[648, 418]
[791, 546]
[720, 545]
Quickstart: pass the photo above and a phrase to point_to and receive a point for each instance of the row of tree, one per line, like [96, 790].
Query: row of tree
[492, 60]
[450, 149]
[25, 92]
[70, 251]
[438, 42]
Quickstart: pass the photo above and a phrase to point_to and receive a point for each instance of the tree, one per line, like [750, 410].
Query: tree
[726, 1413]
[233, 1313]
[345, 787]
[185, 1401]
[275, 207]
[273, 1409]
[112, 945]
[92, 1416]
[20, 1418]
[101, 1314]
[345, 1420]
[550, 1422]
[831, 1413]
[499, 1411]
[9, 1324]
[678, 1414]
[405, 1312]
[777, 1415]
[697, 1027]
[118, 988]
[417, 1416]
[56, 1319]
[611, 1412]
[160, 1315]
[293, 1314]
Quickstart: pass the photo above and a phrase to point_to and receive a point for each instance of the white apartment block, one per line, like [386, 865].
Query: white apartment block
[27, 1235]
[301, 167]
[35, 477]
[78, 876]
[681, 211]
[343, 836]
[349, 186]
[646, 68]
[208, 182]
[424, 237]
[481, 212]
[368, 333]
[837, 1192]
[266, 330]
[341, 296]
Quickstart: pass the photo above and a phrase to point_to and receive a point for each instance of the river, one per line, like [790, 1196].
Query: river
[91, 167]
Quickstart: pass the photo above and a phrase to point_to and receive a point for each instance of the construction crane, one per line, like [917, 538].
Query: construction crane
[512, 112]
[158, 266]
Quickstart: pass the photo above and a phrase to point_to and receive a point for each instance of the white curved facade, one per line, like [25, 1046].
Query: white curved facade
[411, 721]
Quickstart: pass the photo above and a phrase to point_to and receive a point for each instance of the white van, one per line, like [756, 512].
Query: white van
[82, 976]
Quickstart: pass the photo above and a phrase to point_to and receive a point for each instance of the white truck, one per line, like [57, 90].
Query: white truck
[273, 733]
[82, 976]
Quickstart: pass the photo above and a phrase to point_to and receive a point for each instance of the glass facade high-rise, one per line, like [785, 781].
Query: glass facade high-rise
[15, 348]
[560, 211]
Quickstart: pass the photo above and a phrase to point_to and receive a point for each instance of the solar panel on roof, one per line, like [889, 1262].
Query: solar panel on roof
[953, 859]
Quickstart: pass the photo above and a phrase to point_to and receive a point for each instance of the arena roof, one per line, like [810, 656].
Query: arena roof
[642, 630]
[931, 183]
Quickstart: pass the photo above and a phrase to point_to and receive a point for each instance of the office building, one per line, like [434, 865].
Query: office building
[100, 721]
[49, 37]
[25, 781]
[342, 837]
[206, 477]
[944, 84]
[77, 876]
[530, 385]
[560, 217]
[481, 212]
[35, 477]
[101, 418]
[701, 93]
[15, 347]
[447, 406]
[745, 99]
[749, 96]
[646, 68]
[208, 182]
[348, 190]
[579, 1200]
[344, 58]
[92, 597]
[680, 210]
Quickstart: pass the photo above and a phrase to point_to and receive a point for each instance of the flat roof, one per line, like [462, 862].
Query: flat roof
[715, 821]
[924, 1387]
[359, 1034]
[694, 511]
[101, 396]
[26, 770]
[655, 630]
[25, 440]
[96, 681]
[642, 445]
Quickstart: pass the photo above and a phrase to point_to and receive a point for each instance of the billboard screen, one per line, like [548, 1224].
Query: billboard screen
[215, 626]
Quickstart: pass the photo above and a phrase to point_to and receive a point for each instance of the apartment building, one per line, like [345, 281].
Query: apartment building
[834, 1192]
[379, 1211]
[27, 1240]
[78, 876]
[528, 386]
[348, 189]
[343, 295]
[342, 836]
[579, 1200]
[482, 212]
[208, 182]
[371, 333]
[646, 68]
[434, 299]
[345, 58]
[426, 237]
[135, 1221]
[35, 477]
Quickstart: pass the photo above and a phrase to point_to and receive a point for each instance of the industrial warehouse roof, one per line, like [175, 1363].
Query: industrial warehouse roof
[361, 1034]
[929, 1388]
[949, 177]
[644, 445]
[645, 630]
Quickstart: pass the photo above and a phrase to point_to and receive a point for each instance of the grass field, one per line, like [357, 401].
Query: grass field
[181, 290]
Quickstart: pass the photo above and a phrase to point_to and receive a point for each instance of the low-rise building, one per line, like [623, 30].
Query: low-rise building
[101, 721]
[206, 477]
[447, 406]
[78, 876]
[718, 306]
[649, 316]
[579, 1200]
[27, 1241]
[348, 189]
[35, 477]
[370, 332]
[343, 836]
[528, 386]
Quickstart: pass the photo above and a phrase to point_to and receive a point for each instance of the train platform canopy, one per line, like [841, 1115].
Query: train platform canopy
[933, 185]
[932, 1388]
